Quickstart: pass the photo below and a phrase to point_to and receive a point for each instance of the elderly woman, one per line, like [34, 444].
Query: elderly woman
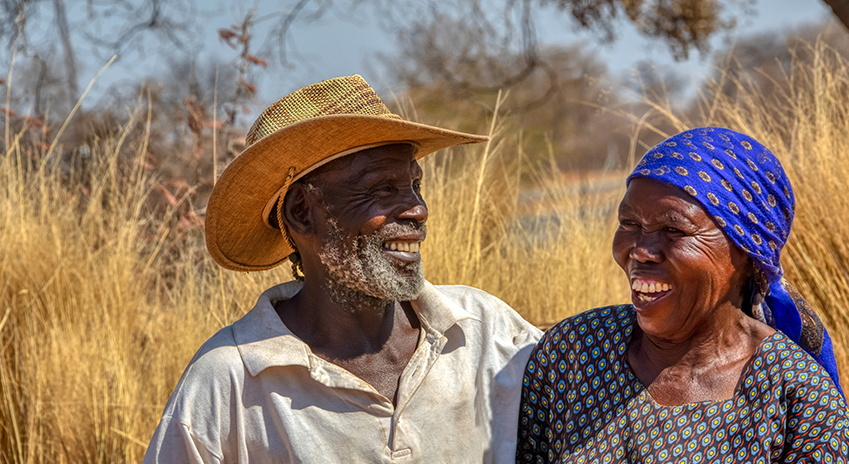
[718, 359]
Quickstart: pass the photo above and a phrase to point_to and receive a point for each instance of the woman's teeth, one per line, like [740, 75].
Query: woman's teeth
[652, 287]
[644, 288]
[410, 247]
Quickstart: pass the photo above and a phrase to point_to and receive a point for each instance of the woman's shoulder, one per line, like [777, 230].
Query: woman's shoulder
[816, 415]
[613, 314]
[789, 364]
[592, 326]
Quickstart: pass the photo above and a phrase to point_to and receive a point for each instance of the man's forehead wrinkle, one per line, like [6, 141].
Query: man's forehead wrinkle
[417, 169]
[383, 168]
[342, 164]
[353, 171]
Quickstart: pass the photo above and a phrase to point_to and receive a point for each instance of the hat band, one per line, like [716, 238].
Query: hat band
[266, 211]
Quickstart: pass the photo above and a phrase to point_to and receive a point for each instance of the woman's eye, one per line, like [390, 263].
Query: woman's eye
[417, 185]
[673, 230]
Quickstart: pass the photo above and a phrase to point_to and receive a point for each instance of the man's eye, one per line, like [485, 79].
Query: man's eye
[417, 185]
[673, 230]
[383, 189]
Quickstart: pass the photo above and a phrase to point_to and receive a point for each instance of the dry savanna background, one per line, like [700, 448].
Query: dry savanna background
[106, 289]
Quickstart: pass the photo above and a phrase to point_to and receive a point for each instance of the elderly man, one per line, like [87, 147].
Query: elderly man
[359, 359]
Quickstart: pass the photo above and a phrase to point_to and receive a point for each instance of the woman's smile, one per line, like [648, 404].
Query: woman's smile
[645, 291]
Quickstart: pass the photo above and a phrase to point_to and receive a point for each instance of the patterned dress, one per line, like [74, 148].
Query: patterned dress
[581, 403]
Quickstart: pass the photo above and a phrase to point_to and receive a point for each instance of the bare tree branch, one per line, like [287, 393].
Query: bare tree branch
[277, 38]
[171, 20]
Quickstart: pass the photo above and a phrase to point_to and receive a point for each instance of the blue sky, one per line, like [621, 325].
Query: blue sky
[337, 46]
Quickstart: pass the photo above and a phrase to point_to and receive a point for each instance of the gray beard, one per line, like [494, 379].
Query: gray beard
[360, 274]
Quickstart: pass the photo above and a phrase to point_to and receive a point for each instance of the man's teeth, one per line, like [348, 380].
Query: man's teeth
[410, 247]
[650, 287]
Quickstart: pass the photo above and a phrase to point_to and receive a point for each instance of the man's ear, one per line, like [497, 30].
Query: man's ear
[297, 211]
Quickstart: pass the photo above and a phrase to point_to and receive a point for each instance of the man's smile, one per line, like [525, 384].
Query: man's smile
[405, 246]
[404, 249]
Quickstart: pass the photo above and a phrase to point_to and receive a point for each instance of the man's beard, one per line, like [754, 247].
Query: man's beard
[359, 272]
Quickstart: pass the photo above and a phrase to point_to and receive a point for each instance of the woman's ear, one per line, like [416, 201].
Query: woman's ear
[749, 290]
[297, 211]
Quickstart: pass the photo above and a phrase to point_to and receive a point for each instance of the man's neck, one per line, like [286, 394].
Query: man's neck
[370, 338]
[340, 326]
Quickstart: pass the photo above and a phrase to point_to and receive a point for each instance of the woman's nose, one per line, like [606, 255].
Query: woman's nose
[646, 249]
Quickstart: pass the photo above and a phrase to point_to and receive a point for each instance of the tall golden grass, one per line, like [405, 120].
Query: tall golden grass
[104, 299]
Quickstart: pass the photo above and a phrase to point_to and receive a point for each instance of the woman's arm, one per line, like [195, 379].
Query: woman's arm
[535, 431]
[817, 419]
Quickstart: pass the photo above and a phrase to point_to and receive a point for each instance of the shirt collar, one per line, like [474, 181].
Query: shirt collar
[262, 338]
[264, 341]
[437, 311]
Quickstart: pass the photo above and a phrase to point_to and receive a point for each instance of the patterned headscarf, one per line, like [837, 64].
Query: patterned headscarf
[744, 189]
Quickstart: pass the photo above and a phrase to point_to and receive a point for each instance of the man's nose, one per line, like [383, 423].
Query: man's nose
[415, 208]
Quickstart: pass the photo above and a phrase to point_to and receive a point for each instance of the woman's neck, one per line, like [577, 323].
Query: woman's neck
[704, 365]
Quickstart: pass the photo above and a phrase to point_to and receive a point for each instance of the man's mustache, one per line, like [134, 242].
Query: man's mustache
[398, 229]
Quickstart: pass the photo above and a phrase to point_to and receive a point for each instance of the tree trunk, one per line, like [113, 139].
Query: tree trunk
[70, 58]
[840, 8]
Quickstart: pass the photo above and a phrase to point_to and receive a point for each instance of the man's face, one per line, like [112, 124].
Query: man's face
[374, 226]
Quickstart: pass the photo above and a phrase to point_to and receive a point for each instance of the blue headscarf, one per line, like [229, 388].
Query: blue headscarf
[745, 190]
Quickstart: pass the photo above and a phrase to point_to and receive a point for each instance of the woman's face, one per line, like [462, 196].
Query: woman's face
[680, 265]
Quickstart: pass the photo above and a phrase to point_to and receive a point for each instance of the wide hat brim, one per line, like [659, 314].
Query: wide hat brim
[237, 235]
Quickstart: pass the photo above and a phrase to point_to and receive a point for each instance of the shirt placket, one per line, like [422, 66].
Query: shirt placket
[375, 404]
[431, 343]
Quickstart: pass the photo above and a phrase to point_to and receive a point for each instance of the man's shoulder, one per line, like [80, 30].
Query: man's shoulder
[477, 302]
[470, 295]
[197, 408]
[213, 370]
[216, 352]
[487, 308]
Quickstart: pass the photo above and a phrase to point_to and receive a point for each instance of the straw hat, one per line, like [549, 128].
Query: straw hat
[297, 134]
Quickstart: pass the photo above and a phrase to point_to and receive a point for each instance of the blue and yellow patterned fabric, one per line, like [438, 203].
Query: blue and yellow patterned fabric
[582, 403]
[744, 188]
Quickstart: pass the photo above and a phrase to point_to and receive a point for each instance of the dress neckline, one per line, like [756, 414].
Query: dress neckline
[642, 390]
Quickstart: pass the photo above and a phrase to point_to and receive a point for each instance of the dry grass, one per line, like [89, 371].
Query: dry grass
[103, 303]
[103, 300]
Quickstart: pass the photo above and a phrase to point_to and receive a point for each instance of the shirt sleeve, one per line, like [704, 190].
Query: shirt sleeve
[198, 415]
[817, 420]
[535, 415]
[174, 443]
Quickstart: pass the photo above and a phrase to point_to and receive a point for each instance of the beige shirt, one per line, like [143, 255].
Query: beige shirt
[256, 393]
